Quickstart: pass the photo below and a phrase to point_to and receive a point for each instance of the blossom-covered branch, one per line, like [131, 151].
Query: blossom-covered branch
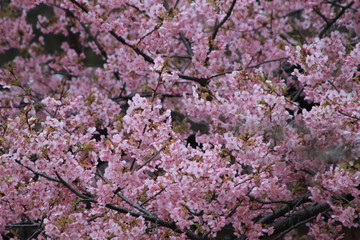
[179, 119]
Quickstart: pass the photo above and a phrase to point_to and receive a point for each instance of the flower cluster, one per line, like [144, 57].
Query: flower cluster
[179, 119]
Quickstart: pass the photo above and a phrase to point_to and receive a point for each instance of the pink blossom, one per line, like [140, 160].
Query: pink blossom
[179, 119]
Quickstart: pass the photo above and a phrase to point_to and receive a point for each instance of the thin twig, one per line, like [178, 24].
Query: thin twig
[348, 115]
[141, 209]
[138, 9]
[40, 229]
[337, 5]
[21, 225]
[152, 197]
[150, 158]
[95, 217]
[149, 33]
[177, 56]
[332, 84]
[136, 49]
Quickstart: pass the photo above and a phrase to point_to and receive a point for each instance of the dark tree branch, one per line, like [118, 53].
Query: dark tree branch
[217, 27]
[268, 202]
[317, 11]
[81, 6]
[158, 221]
[299, 217]
[337, 5]
[152, 219]
[77, 193]
[178, 56]
[150, 158]
[96, 217]
[348, 115]
[296, 226]
[186, 43]
[21, 225]
[213, 36]
[293, 13]
[38, 173]
[202, 81]
[330, 23]
[291, 220]
[10, 106]
[298, 93]
[35, 233]
[93, 38]
[285, 209]
[149, 33]
[119, 38]
[136, 49]
[146, 215]
[139, 208]
[138, 9]
[166, 5]
[152, 197]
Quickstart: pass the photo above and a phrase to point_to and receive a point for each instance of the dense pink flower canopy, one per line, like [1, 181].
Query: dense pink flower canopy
[179, 119]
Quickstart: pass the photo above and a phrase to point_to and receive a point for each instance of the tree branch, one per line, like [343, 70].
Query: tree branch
[93, 38]
[296, 226]
[152, 197]
[216, 30]
[240, 69]
[317, 11]
[186, 43]
[82, 7]
[330, 23]
[119, 38]
[213, 36]
[298, 218]
[136, 49]
[149, 94]
[158, 221]
[285, 209]
[38, 173]
[141, 209]
[146, 215]
[150, 158]
[202, 81]
[77, 193]
[348, 115]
